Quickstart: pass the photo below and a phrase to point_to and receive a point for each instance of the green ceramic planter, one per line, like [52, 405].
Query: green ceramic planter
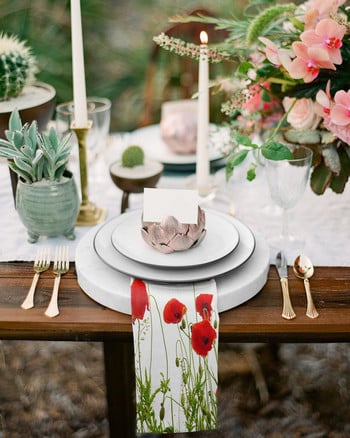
[48, 208]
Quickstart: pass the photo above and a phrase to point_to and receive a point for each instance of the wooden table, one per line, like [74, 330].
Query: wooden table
[81, 319]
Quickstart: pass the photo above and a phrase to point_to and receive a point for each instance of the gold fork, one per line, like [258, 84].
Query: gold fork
[60, 267]
[41, 264]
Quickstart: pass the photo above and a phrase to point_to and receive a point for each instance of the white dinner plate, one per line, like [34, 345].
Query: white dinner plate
[106, 251]
[221, 238]
[149, 138]
[111, 288]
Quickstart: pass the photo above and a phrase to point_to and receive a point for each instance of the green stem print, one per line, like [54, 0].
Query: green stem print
[175, 340]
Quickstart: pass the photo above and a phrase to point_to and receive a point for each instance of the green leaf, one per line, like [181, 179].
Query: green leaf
[229, 170]
[251, 173]
[234, 161]
[245, 140]
[239, 157]
[27, 178]
[18, 139]
[9, 153]
[15, 123]
[320, 179]
[276, 151]
[244, 67]
[339, 181]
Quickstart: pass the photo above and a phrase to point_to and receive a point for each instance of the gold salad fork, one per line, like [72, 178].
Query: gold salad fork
[41, 264]
[60, 267]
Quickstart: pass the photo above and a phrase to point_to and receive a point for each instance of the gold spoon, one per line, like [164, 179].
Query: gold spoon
[304, 269]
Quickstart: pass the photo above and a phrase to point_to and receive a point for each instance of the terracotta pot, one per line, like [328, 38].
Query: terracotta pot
[48, 208]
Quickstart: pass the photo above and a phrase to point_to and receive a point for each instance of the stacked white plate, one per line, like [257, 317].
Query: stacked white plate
[111, 253]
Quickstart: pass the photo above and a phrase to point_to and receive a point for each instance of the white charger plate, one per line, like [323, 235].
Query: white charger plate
[221, 238]
[111, 288]
[102, 243]
[149, 138]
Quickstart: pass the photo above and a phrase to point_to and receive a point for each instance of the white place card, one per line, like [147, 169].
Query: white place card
[159, 203]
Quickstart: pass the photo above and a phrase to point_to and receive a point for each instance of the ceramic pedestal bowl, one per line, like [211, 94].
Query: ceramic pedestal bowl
[135, 179]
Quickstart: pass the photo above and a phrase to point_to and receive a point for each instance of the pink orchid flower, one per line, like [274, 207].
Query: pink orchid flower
[276, 55]
[324, 102]
[308, 62]
[328, 34]
[319, 9]
[340, 112]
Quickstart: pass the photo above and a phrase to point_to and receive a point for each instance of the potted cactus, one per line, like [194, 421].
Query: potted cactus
[46, 198]
[18, 88]
[133, 172]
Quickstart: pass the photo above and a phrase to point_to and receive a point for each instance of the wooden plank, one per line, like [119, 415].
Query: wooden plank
[257, 320]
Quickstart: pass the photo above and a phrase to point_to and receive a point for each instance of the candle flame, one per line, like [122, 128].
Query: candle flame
[203, 37]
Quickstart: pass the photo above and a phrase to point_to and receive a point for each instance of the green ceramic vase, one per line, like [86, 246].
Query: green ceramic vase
[48, 208]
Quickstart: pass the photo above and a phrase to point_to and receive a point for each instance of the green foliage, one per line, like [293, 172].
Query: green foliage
[33, 156]
[133, 156]
[17, 66]
[265, 20]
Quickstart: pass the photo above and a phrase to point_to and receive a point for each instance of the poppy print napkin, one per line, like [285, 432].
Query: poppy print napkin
[175, 330]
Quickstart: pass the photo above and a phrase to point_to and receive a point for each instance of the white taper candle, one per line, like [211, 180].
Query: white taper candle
[202, 165]
[79, 90]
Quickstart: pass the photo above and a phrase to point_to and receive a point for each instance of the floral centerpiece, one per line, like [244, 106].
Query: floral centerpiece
[290, 84]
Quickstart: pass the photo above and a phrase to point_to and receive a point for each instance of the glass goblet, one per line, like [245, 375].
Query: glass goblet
[99, 112]
[287, 181]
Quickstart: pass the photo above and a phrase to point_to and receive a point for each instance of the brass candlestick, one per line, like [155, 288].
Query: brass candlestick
[89, 213]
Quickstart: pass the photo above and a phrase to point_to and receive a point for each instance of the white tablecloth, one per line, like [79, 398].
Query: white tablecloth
[324, 220]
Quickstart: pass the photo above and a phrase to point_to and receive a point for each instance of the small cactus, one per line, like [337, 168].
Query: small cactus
[133, 156]
[17, 66]
[34, 156]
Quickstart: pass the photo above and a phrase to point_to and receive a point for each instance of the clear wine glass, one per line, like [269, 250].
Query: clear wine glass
[99, 112]
[287, 181]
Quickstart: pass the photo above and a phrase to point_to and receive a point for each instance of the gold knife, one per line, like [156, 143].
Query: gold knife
[281, 266]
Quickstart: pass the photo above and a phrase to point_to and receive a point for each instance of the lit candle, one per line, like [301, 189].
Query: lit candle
[79, 91]
[202, 165]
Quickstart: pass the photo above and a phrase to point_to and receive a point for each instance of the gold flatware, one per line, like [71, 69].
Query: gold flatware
[304, 269]
[281, 265]
[41, 264]
[60, 267]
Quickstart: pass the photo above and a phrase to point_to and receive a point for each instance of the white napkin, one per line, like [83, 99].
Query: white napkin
[175, 329]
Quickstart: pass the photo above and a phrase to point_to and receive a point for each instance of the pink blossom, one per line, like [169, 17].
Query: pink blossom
[302, 115]
[308, 62]
[324, 102]
[328, 34]
[276, 55]
[340, 112]
[342, 132]
[316, 10]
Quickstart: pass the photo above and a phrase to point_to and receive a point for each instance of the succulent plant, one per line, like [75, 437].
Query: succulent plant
[133, 156]
[34, 156]
[170, 235]
[17, 66]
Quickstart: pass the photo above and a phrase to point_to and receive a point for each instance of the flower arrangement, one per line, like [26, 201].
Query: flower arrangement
[290, 85]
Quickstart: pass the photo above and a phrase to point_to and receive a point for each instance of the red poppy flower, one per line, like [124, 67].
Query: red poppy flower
[139, 299]
[203, 336]
[203, 305]
[173, 311]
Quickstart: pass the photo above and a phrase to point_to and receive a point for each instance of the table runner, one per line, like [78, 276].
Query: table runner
[324, 220]
[175, 329]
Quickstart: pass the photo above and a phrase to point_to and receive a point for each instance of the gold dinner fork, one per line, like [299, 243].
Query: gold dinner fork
[60, 267]
[41, 264]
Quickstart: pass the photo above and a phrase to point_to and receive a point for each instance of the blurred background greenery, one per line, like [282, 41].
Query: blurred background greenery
[117, 43]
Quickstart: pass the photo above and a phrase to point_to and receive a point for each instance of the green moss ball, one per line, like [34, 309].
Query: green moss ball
[133, 156]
